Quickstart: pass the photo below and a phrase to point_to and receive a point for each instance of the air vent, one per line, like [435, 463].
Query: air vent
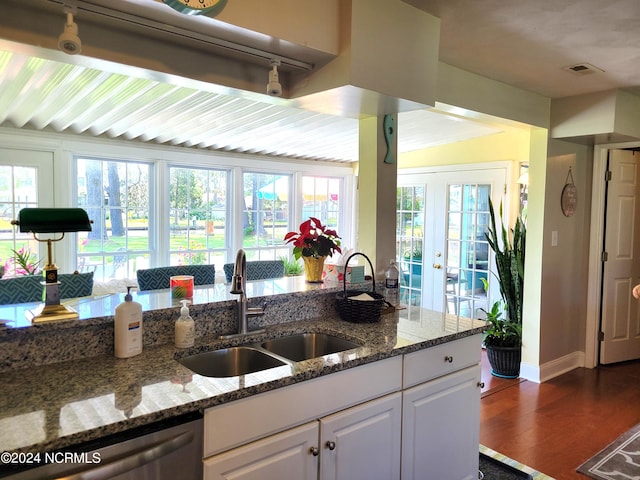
[583, 69]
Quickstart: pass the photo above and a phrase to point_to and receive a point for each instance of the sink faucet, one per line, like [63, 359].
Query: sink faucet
[239, 287]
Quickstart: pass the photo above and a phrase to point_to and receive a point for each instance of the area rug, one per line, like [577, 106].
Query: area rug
[497, 466]
[490, 468]
[620, 460]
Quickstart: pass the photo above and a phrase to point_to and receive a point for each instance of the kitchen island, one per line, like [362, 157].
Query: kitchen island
[53, 406]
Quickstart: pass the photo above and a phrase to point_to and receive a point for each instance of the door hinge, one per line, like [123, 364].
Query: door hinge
[607, 176]
[601, 336]
[605, 256]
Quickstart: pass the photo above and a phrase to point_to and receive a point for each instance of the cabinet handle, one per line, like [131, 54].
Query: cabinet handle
[448, 359]
[314, 451]
[330, 445]
[481, 384]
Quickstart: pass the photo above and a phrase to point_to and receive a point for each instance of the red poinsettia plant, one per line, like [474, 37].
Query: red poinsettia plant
[313, 240]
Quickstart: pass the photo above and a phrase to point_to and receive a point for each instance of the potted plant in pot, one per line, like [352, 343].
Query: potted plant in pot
[292, 267]
[314, 242]
[503, 341]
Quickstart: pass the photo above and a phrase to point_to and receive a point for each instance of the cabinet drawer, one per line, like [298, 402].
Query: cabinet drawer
[440, 360]
[284, 455]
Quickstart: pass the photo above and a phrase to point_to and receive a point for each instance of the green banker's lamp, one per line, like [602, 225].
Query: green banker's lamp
[52, 220]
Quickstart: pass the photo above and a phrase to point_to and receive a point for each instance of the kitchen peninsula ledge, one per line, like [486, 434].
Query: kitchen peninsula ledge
[61, 405]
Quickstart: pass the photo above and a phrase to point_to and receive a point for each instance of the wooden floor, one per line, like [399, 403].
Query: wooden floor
[555, 426]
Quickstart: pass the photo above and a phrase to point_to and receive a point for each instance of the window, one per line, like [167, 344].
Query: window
[171, 211]
[116, 197]
[265, 215]
[17, 191]
[320, 197]
[198, 213]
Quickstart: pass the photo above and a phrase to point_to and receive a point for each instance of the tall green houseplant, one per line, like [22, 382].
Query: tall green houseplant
[508, 246]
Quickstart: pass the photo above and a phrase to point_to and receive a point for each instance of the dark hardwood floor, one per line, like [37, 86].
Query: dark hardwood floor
[555, 426]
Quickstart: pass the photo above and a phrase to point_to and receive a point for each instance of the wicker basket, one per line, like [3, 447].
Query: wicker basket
[359, 311]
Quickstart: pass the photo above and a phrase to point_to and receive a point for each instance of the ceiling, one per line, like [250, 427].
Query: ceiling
[519, 42]
[529, 44]
[50, 95]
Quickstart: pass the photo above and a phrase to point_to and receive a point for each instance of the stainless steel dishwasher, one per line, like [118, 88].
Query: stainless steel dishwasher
[165, 450]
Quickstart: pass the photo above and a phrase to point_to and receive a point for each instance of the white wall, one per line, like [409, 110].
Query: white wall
[565, 265]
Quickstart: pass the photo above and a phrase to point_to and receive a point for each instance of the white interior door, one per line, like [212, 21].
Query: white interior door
[620, 322]
[454, 251]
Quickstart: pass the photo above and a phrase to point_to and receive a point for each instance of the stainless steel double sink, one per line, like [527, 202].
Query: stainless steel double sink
[233, 361]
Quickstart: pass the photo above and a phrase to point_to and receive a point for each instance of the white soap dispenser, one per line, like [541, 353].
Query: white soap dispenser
[185, 327]
[128, 327]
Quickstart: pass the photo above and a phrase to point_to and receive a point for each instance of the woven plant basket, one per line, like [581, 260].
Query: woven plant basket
[359, 311]
[504, 361]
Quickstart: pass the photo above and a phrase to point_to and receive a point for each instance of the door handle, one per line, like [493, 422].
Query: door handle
[437, 266]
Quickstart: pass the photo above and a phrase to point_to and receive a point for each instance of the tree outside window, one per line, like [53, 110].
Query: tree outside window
[198, 216]
[116, 197]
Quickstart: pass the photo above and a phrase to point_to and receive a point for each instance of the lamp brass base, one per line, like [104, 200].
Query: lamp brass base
[51, 313]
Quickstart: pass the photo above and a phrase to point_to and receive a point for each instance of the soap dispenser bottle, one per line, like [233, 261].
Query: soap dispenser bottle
[185, 328]
[128, 327]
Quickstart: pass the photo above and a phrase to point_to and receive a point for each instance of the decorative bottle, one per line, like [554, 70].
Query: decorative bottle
[392, 284]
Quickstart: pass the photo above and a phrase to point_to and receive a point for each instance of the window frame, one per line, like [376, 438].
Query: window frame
[65, 147]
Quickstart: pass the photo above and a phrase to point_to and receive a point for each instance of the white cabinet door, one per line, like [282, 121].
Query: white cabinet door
[363, 442]
[441, 428]
[278, 457]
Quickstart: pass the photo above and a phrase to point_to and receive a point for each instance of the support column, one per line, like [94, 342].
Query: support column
[377, 182]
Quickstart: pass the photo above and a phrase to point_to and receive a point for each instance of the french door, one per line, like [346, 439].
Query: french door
[443, 234]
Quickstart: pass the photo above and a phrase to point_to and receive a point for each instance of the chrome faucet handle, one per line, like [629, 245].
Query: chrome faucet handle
[256, 311]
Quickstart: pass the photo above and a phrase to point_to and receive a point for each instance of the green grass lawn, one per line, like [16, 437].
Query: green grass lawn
[138, 241]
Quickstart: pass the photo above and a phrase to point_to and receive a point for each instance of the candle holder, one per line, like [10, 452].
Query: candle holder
[181, 286]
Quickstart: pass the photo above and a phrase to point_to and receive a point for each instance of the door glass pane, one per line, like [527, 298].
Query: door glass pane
[467, 249]
[409, 242]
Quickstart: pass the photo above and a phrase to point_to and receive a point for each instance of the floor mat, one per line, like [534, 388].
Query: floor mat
[494, 469]
[619, 460]
[500, 467]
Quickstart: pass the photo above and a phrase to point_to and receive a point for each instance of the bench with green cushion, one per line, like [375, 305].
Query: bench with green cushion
[158, 278]
[258, 269]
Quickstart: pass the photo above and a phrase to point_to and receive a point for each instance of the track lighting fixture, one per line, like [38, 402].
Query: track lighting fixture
[273, 87]
[68, 41]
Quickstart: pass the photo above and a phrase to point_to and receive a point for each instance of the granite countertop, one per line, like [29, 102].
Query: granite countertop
[57, 406]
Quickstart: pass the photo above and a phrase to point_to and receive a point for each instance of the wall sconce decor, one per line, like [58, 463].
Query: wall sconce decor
[569, 196]
[389, 132]
[211, 8]
[55, 221]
